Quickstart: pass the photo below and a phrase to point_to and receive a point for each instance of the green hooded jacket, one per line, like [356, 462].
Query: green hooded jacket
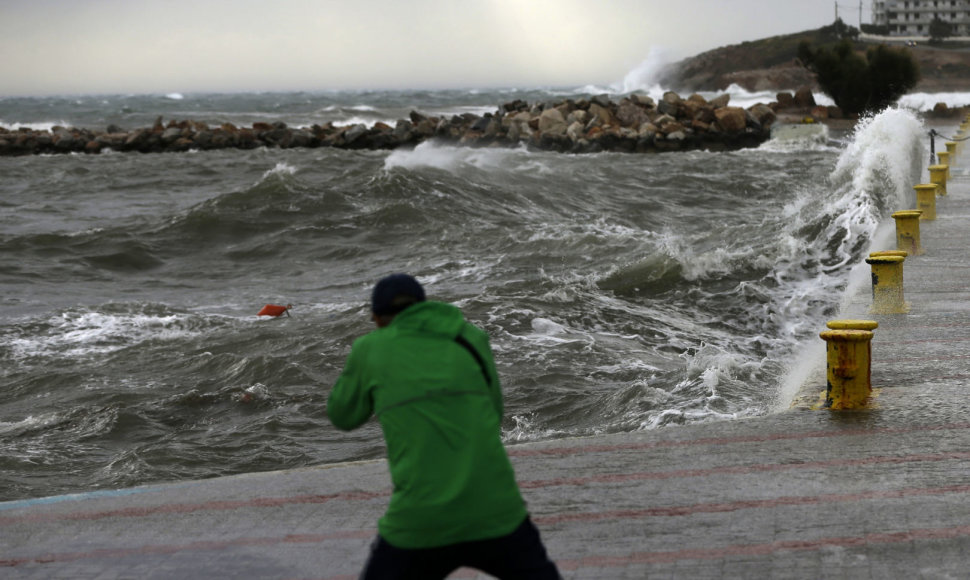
[441, 418]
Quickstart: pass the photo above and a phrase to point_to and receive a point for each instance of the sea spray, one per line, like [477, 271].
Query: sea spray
[645, 77]
[883, 160]
[872, 178]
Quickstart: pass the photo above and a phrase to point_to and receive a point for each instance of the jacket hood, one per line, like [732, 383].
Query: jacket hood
[430, 316]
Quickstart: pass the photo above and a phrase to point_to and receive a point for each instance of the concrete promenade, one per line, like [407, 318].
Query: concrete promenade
[876, 493]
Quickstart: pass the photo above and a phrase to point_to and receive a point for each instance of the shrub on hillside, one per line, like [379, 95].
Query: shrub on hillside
[879, 30]
[860, 84]
[939, 31]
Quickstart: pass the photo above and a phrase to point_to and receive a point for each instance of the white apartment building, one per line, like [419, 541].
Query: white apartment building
[913, 17]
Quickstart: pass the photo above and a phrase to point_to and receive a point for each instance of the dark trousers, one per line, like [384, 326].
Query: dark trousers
[517, 556]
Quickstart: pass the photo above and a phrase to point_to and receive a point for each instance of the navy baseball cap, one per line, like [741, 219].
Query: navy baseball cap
[394, 293]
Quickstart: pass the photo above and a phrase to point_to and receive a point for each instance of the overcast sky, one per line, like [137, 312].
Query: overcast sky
[148, 46]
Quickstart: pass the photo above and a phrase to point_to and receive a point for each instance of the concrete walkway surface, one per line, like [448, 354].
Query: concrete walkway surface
[876, 493]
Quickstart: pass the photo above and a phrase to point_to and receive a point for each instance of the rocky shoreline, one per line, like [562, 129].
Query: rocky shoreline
[636, 123]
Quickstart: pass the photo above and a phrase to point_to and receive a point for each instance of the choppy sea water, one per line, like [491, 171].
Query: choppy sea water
[621, 292]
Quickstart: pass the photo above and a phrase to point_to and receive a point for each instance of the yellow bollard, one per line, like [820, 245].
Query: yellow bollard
[887, 284]
[851, 324]
[907, 231]
[889, 253]
[944, 157]
[951, 148]
[848, 368]
[938, 176]
[926, 200]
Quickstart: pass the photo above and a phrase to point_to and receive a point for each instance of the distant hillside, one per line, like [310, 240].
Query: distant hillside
[772, 64]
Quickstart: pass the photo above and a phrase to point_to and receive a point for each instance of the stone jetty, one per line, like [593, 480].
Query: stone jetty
[637, 123]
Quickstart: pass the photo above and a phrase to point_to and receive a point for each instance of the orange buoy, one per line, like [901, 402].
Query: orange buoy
[275, 310]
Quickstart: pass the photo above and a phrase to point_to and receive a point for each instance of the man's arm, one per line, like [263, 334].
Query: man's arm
[350, 404]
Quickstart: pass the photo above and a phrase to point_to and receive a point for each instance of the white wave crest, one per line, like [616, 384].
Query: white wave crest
[282, 168]
[886, 152]
[78, 334]
[922, 102]
[448, 158]
[35, 126]
[699, 265]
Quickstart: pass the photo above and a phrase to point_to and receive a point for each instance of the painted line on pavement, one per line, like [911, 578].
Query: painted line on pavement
[785, 436]
[707, 508]
[514, 452]
[184, 508]
[599, 562]
[113, 553]
[588, 561]
[101, 493]
[165, 509]
[741, 469]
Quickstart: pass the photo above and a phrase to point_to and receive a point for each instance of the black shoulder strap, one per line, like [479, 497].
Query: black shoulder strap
[478, 358]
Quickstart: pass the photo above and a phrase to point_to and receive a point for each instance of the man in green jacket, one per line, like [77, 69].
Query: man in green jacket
[429, 377]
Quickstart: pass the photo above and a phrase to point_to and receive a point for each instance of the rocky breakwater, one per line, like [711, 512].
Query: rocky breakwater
[636, 123]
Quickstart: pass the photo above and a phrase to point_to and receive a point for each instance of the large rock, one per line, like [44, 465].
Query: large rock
[171, 134]
[64, 141]
[672, 127]
[601, 115]
[670, 104]
[576, 131]
[731, 119]
[137, 139]
[763, 114]
[644, 100]
[578, 116]
[354, 133]
[631, 115]
[602, 100]
[804, 97]
[720, 101]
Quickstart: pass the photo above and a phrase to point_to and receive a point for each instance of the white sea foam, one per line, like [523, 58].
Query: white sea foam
[549, 333]
[698, 265]
[29, 422]
[449, 158]
[36, 126]
[923, 102]
[474, 110]
[474, 271]
[175, 96]
[79, 334]
[368, 122]
[815, 140]
[600, 229]
[526, 430]
[282, 168]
